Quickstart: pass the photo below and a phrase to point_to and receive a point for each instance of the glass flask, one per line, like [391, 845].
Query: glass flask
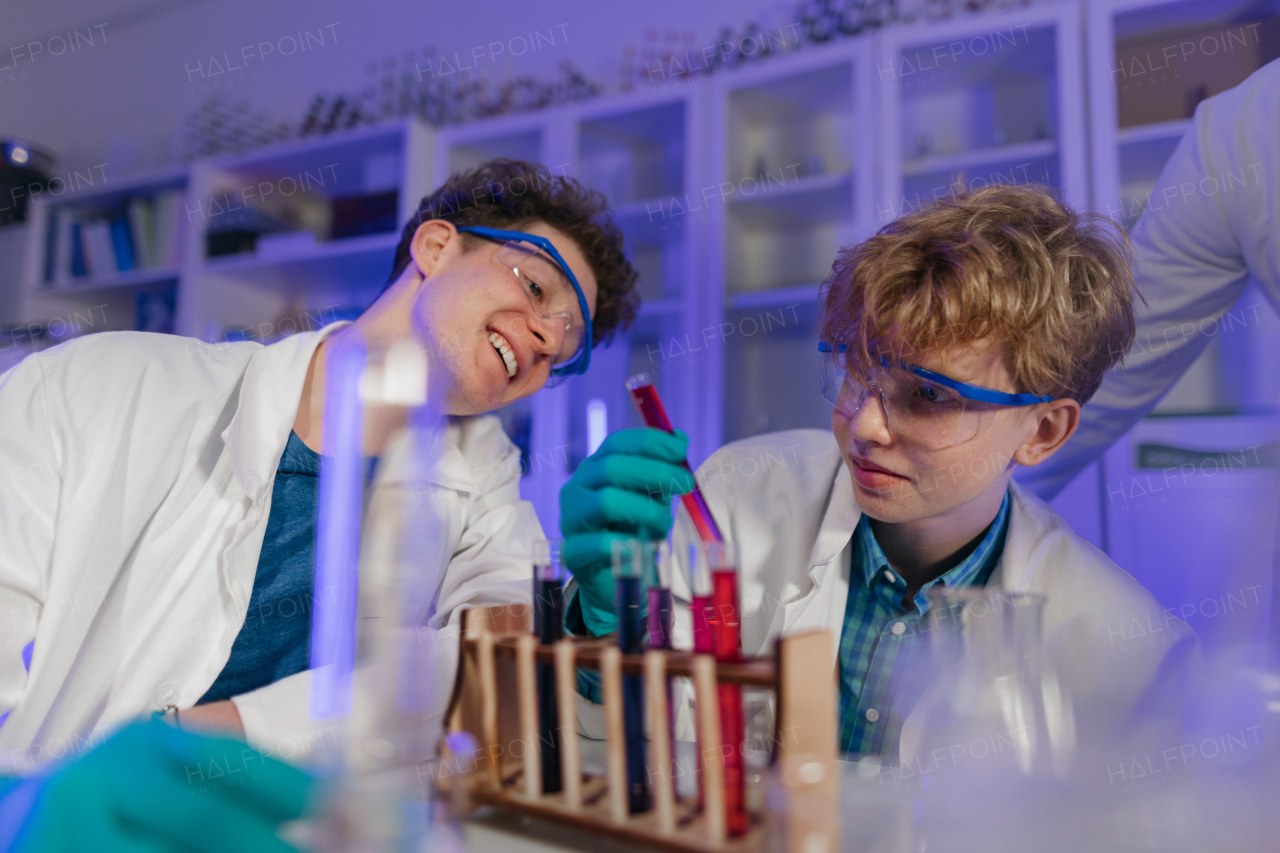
[995, 703]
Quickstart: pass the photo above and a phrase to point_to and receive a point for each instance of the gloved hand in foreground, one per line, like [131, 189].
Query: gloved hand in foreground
[151, 787]
[622, 491]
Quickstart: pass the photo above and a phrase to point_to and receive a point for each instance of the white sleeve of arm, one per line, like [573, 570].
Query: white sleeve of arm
[1207, 226]
[30, 485]
[277, 718]
[491, 562]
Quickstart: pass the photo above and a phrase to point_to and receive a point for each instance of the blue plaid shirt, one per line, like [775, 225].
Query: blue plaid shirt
[876, 694]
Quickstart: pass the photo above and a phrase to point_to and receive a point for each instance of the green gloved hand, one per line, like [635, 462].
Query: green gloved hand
[622, 491]
[151, 787]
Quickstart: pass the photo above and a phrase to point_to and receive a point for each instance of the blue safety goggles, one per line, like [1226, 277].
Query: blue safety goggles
[558, 303]
[969, 392]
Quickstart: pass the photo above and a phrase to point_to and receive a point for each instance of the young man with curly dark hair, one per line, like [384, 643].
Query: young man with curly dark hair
[158, 496]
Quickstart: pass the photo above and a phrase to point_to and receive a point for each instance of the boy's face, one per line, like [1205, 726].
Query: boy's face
[896, 479]
[467, 296]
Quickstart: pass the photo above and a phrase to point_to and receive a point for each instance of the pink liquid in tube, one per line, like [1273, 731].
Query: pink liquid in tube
[655, 415]
[726, 637]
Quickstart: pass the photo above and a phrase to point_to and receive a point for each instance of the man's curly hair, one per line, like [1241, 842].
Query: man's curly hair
[511, 194]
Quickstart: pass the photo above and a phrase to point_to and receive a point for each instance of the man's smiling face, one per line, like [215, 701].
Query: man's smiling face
[490, 347]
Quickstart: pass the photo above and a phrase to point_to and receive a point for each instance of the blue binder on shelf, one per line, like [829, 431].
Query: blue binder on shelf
[122, 242]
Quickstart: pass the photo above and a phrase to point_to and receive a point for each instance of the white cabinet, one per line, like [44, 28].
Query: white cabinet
[106, 255]
[643, 153]
[793, 172]
[994, 98]
[271, 246]
[1191, 507]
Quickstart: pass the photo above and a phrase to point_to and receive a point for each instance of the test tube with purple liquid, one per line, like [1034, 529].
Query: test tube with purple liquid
[548, 625]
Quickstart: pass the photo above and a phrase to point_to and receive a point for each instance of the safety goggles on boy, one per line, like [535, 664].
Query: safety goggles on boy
[554, 294]
[934, 410]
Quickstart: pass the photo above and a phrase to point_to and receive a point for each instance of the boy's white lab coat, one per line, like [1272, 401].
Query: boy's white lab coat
[136, 473]
[787, 501]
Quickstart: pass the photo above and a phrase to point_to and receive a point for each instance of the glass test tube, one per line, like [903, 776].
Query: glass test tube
[548, 625]
[657, 568]
[628, 559]
[655, 415]
[726, 640]
[656, 571]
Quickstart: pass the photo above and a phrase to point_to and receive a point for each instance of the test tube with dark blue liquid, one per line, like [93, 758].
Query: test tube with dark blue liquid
[548, 625]
[628, 574]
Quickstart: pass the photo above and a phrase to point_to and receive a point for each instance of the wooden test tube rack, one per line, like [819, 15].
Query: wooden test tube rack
[494, 701]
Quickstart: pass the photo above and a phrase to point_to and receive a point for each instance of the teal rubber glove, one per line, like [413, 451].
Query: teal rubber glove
[622, 491]
[151, 787]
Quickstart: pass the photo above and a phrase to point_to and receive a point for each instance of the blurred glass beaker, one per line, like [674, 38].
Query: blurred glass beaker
[996, 703]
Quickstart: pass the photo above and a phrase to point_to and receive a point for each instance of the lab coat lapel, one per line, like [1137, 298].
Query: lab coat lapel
[828, 572]
[1019, 560]
[268, 406]
[255, 439]
[441, 461]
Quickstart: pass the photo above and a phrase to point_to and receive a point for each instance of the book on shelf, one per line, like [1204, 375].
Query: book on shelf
[145, 232]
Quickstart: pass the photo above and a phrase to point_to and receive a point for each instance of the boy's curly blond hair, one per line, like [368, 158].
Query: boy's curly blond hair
[1008, 264]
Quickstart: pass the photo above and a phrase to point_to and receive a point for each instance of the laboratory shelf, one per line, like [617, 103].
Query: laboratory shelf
[812, 198]
[143, 278]
[981, 157]
[660, 307]
[1156, 131]
[775, 297]
[383, 245]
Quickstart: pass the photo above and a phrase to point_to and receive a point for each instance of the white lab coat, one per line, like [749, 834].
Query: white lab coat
[1209, 226]
[787, 501]
[136, 473]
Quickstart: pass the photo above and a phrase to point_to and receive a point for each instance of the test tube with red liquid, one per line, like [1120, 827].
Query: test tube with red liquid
[655, 415]
[726, 641]
[548, 625]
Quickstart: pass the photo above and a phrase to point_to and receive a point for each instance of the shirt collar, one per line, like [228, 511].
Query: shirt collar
[971, 571]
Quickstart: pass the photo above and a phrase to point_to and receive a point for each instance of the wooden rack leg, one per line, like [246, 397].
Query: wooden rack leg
[567, 699]
[489, 708]
[807, 754]
[615, 737]
[526, 685]
[704, 688]
[655, 674]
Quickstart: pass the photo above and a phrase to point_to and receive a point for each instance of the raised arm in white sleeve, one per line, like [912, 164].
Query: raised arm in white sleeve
[1209, 226]
[30, 481]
